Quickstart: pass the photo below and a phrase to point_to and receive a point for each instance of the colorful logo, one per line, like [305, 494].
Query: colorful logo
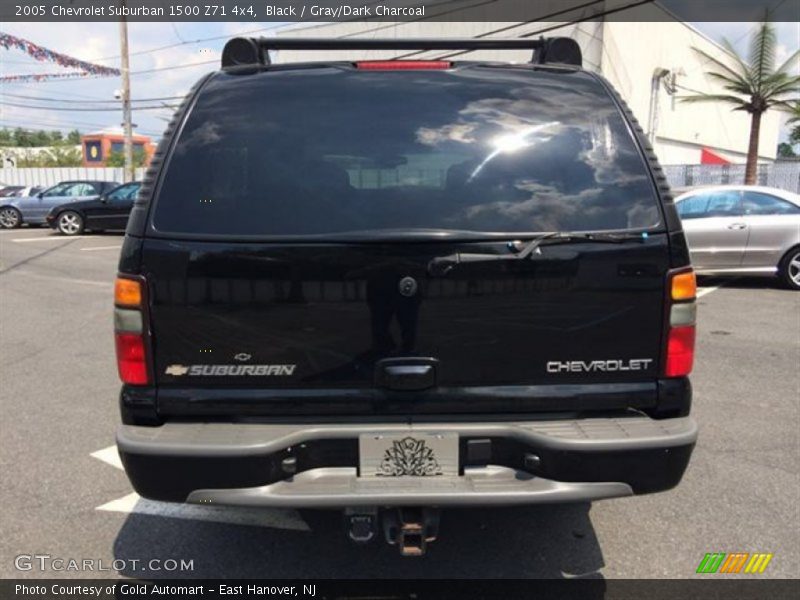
[94, 151]
[736, 562]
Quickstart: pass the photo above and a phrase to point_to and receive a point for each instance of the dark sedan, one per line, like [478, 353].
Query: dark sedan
[107, 211]
[32, 210]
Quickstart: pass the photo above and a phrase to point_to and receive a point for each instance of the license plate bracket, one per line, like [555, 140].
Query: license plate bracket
[408, 454]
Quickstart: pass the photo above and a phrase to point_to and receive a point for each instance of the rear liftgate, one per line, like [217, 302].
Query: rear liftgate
[410, 528]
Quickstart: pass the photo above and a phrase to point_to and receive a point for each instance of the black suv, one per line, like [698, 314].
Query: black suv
[394, 286]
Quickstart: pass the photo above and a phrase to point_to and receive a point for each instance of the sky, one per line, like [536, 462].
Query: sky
[167, 72]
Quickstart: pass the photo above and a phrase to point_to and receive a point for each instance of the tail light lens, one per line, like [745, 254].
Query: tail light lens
[131, 358]
[128, 292]
[680, 337]
[130, 337]
[684, 286]
[680, 351]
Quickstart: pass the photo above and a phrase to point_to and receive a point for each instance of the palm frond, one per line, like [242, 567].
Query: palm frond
[740, 62]
[779, 84]
[733, 85]
[740, 102]
[789, 106]
[762, 53]
[788, 62]
[743, 77]
[795, 108]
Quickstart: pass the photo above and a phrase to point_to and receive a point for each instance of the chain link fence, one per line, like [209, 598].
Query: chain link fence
[782, 175]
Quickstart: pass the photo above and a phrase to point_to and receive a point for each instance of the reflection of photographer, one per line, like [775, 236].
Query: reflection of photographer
[386, 302]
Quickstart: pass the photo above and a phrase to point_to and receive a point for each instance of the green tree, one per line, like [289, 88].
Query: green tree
[22, 138]
[785, 150]
[60, 156]
[753, 85]
[794, 134]
[74, 137]
[63, 157]
[40, 138]
[117, 159]
[6, 137]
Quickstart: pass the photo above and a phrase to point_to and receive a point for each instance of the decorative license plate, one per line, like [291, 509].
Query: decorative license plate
[408, 454]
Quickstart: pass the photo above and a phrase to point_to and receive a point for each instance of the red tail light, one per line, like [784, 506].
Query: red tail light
[131, 358]
[402, 65]
[680, 351]
[130, 335]
[681, 315]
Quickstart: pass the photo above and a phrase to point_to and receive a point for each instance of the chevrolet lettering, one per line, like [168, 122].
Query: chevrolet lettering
[579, 366]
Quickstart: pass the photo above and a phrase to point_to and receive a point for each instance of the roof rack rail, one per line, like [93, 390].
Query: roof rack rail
[239, 52]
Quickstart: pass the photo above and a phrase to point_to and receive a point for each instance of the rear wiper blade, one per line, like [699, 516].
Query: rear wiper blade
[522, 251]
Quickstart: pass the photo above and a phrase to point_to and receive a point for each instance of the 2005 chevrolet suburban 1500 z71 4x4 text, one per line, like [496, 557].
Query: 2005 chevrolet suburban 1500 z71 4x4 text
[394, 286]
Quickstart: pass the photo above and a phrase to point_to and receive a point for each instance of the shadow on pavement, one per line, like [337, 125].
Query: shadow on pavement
[746, 283]
[549, 541]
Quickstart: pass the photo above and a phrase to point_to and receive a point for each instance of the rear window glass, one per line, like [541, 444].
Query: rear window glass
[334, 150]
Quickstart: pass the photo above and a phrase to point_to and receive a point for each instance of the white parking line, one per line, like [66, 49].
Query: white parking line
[109, 455]
[92, 248]
[234, 515]
[703, 291]
[50, 238]
[103, 284]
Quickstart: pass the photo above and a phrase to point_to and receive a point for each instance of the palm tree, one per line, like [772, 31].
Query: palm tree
[754, 86]
[794, 134]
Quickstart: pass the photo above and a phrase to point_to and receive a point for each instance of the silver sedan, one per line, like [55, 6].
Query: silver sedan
[745, 230]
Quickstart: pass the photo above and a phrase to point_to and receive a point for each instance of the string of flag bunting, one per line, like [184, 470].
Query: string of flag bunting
[46, 55]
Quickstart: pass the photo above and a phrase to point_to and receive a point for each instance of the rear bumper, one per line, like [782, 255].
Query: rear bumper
[240, 464]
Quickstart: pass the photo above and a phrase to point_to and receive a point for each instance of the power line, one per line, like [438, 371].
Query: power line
[66, 126]
[196, 64]
[515, 26]
[60, 92]
[412, 20]
[175, 31]
[60, 108]
[553, 27]
[195, 41]
[116, 102]
[143, 72]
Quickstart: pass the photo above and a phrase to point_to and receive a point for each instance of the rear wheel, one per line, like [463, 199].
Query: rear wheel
[10, 218]
[70, 223]
[789, 269]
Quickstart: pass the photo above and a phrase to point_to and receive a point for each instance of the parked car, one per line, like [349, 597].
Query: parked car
[33, 210]
[12, 190]
[106, 211]
[20, 190]
[744, 230]
[407, 285]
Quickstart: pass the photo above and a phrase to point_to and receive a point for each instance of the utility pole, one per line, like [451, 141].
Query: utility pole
[126, 97]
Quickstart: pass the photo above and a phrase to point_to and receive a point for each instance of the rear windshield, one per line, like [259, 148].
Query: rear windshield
[333, 150]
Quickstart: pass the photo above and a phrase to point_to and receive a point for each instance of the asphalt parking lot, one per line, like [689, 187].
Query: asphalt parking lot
[64, 495]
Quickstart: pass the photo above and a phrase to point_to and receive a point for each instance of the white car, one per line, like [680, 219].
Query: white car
[743, 229]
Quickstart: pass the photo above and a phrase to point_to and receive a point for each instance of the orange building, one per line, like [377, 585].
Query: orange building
[97, 147]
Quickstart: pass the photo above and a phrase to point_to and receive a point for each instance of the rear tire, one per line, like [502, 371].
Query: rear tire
[10, 218]
[70, 223]
[789, 269]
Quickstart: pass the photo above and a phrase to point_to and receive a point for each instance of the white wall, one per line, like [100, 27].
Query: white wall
[683, 128]
[47, 176]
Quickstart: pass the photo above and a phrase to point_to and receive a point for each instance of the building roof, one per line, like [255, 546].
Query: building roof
[114, 131]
